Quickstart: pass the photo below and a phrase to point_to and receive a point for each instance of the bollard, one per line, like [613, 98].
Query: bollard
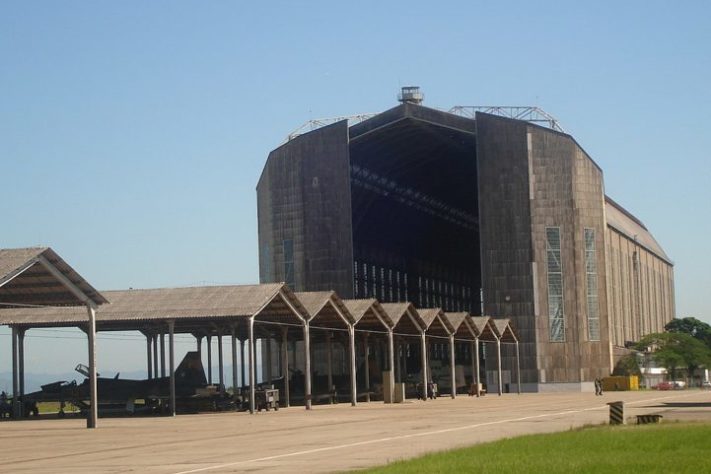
[617, 413]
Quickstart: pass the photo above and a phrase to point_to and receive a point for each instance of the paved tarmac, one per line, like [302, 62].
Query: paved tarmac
[325, 439]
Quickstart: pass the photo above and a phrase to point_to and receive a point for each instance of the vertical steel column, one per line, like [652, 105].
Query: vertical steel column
[252, 371]
[234, 362]
[162, 354]
[208, 339]
[149, 357]
[268, 348]
[94, 409]
[171, 361]
[329, 365]
[423, 350]
[498, 363]
[518, 370]
[243, 363]
[285, 362]
[15, 389]
[391, 361]
[21, 361]
[220, 362]
[352, 364]
[154, 338]
[198, 342]
[452, 366]
[477, 380]
[307, 366]
[366, 350]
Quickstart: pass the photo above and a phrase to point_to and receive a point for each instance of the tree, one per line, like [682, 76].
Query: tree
[691, 326]
[672, 350]
[627, 365]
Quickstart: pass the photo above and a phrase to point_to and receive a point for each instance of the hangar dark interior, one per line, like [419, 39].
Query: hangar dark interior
[415, 212]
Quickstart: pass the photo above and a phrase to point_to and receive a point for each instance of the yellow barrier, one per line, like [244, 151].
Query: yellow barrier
[620, 382]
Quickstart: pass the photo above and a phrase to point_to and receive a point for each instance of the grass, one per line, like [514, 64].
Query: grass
[676, 447]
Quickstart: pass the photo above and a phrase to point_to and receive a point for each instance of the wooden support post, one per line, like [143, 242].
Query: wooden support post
[285, 362]
[21, 362]
[154, 338]
[149, 357]
[477, 380]
[220, 363]
[243, 363]
[453, 366]
[162, 354]
[518, 370]
[234, 362]
[498, 364]
[329, 365]
[209, 359]
[352, 364]
[423, 345]
[307, 367]
[93, 414]
[391, 363]
[198, 340]
[171, 360]
[268, 349]
[366, 351]
[252, 368]
[15, 384]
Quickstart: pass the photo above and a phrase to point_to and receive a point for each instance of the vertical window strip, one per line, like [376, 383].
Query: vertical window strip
[556, 315]
[592, 289]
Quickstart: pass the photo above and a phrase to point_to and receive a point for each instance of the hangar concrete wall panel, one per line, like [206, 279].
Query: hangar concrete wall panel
[304, 213]
[505, 233]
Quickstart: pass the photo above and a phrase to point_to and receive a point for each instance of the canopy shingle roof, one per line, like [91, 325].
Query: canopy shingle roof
[434, 322]
[325, 308]
[482, 327]
[457, 324]
[129, 309]
[26, 279]
[405, 318]
[368, 314]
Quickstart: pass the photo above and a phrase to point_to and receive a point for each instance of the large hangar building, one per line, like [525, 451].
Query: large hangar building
[445, 210]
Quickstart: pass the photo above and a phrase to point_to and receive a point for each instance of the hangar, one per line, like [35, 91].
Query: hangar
[488, 210]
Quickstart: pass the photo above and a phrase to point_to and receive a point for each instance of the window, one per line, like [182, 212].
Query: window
[288, 246]
[591, 282]
[556, 316]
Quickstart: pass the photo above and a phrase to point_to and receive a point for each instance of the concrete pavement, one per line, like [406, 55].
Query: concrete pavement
[326, 439]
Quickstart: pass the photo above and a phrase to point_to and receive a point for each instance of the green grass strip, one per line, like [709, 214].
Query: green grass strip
[675, 447]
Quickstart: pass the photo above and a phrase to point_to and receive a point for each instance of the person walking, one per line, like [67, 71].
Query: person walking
[598, 386]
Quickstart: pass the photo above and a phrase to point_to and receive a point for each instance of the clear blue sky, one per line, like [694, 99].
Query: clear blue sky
[132, 134]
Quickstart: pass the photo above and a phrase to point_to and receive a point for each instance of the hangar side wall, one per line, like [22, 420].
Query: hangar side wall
[304, 213]
[531, 180]
[641, 289]
[505, 234]
[567, 195]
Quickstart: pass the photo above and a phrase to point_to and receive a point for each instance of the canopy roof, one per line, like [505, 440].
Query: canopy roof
[503, 330]
[434, 322]
[482, 327]
[38, 276]
[368, 315]
[325, 309]
[405, 318]
[458, 325]
[191, 308]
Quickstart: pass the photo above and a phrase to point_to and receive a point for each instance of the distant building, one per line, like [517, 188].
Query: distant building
[416, 204]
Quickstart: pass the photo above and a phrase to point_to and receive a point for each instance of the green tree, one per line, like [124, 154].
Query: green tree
[691, 326]
[673, 350]
[627, 365]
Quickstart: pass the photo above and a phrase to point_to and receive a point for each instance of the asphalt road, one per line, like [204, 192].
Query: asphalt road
[325, 439]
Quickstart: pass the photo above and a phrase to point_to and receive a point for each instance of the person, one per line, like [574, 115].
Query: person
[598, 386]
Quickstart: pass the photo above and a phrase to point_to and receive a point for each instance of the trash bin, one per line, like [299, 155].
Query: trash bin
[617, 413]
